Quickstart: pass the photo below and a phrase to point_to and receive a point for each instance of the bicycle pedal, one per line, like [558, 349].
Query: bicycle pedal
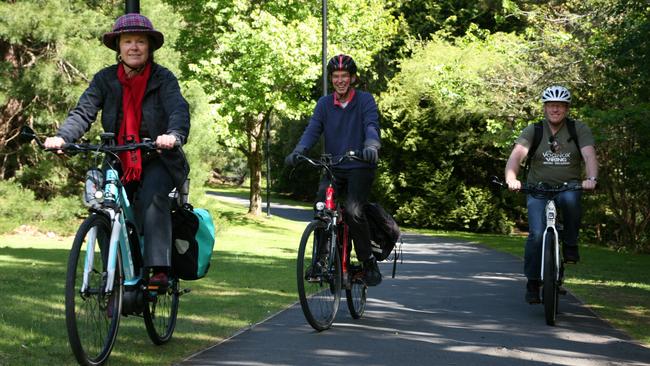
[313, 279]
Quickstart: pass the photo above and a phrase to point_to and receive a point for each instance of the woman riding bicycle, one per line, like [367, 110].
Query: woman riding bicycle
[555, 161]
[348, 120]
[139, 99]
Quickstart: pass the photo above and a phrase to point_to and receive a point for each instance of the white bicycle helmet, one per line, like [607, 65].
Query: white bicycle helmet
[556, 93]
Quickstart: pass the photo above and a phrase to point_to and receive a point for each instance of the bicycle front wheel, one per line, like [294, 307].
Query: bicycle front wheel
[161, 311]
[319, 276]
[550, 288]
[92, 315]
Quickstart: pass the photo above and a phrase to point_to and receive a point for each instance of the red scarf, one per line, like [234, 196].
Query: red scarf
[132, 94]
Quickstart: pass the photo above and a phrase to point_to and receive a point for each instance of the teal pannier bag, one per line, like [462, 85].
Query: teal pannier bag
[192, 242]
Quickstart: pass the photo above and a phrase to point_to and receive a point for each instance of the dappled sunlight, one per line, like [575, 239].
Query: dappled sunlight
[497, 276]
[337, 353]
[620, 284]
[550, 356]
[7, 260]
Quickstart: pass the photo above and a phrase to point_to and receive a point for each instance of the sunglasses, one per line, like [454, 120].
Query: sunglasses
[554, 144]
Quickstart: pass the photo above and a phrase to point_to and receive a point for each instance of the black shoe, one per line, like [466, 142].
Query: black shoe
[571, 254]
[371, 274]
[532, 292]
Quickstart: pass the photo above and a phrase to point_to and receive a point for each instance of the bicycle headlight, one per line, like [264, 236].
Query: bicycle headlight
[320, 206]
[99, 196]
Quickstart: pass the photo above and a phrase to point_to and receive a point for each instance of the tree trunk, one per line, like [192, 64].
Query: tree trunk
[255, 148]
[11, 118]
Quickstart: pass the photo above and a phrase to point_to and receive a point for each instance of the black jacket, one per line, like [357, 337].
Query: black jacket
[164, 111]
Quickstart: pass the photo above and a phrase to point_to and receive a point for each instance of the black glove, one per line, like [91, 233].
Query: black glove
[292, 158]
[370, 154]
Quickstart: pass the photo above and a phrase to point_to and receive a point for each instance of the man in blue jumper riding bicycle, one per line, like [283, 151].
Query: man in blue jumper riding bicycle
[564, 144]
[348, 119]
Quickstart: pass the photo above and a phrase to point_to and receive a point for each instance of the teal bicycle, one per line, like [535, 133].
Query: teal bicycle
[105, 275]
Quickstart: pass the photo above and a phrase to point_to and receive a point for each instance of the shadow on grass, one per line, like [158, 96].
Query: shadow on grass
[240, 289]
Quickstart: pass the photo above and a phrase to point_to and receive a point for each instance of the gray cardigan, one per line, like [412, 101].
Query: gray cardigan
[164, 111]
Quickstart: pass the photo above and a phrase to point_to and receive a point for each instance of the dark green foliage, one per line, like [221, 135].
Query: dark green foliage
[624, 140]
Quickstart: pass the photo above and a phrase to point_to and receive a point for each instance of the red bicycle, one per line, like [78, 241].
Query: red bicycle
[324, 266]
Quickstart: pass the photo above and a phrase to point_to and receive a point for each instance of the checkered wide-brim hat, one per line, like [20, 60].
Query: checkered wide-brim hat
[133, 23]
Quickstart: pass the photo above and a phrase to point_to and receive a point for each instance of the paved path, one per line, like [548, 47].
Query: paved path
[286, 211]
[451, 303]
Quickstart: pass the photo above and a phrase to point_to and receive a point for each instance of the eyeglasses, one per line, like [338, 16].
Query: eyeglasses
[554, 144]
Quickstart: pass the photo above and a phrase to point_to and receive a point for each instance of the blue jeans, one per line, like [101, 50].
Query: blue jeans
[568, 204]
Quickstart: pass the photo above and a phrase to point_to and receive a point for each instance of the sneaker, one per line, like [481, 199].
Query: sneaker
[371, 274]
[532, 292]
[158, 281]
[571, 254]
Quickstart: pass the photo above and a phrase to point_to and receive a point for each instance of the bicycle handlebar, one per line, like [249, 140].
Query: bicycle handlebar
[326, 159]
[73, 148]
[326, 162]
[541, 189]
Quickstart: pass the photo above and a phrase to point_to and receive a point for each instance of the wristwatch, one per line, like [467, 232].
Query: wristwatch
[592, 178]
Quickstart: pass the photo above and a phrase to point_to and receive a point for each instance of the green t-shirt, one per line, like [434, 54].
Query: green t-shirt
[563, 165]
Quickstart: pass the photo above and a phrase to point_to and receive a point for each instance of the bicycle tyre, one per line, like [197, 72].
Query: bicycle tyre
[550, 287]
[92, 318]
[356, 298]
[320, 293]
[160, 312]
[356, 292]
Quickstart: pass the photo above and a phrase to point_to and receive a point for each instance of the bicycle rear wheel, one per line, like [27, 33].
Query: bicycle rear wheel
[356, 297]
[550, 288]
[318, 276]
[92, 316]
[161, 311]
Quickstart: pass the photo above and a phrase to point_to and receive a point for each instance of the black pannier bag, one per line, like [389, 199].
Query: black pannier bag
[193, 242]
[384, 231]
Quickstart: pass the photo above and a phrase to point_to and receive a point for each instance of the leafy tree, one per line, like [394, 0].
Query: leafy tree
[449, 113]
[262, 59]
[44, 67]
[48, 59]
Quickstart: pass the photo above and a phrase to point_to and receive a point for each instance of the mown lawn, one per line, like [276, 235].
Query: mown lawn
[252, 276]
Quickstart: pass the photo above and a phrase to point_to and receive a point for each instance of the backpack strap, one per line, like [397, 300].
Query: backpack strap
[537, 139]
[571, 125]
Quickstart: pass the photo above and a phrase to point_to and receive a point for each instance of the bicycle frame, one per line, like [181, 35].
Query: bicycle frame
[117, 206]
[335, 213]
[551, 217]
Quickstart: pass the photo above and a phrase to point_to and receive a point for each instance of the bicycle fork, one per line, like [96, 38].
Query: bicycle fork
[551, 215]
[118, 241]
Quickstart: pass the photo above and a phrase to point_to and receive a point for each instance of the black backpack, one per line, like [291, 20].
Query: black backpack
[384, 231]
[537, 139]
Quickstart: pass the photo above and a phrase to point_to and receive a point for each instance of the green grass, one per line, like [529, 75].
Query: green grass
[252, 276]
[614, 285]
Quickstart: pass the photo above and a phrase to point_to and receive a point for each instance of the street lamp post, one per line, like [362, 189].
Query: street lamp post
[268, 166]
[324, 47]
[132, 6]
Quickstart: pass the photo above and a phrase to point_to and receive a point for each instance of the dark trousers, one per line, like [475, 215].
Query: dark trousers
[354, 185]
[152, 212]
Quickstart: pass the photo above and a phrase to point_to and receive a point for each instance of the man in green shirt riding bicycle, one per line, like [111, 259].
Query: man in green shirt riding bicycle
[557, 159]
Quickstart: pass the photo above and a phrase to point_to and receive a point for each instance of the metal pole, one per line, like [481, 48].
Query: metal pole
[324, 57]
[268, 166]
[132, 6]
